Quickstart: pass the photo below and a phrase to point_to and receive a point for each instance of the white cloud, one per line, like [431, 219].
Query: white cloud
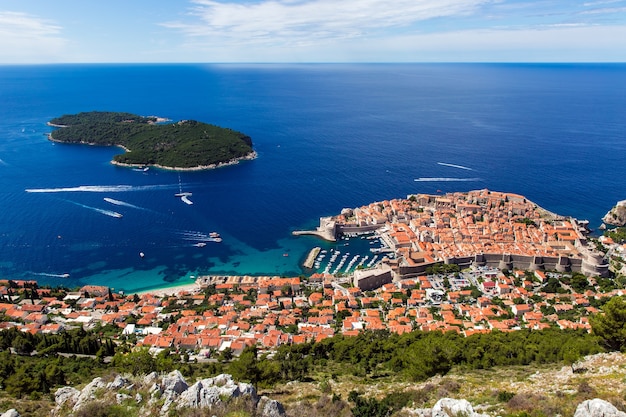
[289, 22]
[601, 2]
[398, 31]
[24, 37]
[606, 10]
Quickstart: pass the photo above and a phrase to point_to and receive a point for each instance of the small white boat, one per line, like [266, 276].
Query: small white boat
[141, 254]
[200, 245]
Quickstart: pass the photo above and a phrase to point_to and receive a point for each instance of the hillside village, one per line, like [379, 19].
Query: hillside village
[443, 277]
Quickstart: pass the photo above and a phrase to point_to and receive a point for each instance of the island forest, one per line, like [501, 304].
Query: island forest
[185, 144]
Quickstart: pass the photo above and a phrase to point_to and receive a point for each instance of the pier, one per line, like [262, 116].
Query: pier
[326, 230]
[310, 259]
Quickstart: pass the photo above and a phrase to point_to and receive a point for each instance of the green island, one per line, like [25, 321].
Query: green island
[184, 145]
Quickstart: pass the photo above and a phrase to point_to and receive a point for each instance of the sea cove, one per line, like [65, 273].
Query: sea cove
[327, 137]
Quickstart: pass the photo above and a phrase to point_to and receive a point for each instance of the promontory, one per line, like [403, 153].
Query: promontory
[184, 145]
[617, 215]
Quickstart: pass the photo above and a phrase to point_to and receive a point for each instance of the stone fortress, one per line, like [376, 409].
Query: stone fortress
[481, 228]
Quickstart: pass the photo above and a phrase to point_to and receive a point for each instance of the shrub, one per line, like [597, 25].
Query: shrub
[505, 396]
[101, 409]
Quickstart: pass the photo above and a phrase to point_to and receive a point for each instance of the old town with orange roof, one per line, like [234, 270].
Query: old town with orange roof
[470, 263]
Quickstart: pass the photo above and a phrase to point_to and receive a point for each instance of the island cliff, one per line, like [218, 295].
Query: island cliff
[187, 144]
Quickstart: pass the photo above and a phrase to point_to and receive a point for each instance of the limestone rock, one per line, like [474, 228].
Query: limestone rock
[200, 394]
[597, 408]
[617, 215]
[270, 408]
[210, 391]
[119, 398]
[66, 394]
[173, 383]
[579, 368]
[11, 413]
[150, 378]
[118, 383]
[449, 407]
[88, 393]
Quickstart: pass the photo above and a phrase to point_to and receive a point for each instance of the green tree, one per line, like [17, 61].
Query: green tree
[22, 345]
[611, 326]
[226, 355]
[137, 362]
[246, 367]
[579, 282]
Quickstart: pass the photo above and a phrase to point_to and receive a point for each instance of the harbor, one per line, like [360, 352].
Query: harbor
[350, 252]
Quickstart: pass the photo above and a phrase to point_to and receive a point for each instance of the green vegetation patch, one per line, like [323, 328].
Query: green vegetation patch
[185, 144]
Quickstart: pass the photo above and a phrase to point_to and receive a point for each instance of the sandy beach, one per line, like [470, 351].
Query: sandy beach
[161, 292]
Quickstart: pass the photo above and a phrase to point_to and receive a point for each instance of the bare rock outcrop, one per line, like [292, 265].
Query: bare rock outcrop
[450, 407]
[597, 408]
[210, 391]
[617, 215]
[166, 393]
[270, 408]
[66, 394]
[88, 393]
[10, 413]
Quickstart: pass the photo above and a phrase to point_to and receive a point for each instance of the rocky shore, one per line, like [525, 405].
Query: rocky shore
[617, 215]
[252, 155]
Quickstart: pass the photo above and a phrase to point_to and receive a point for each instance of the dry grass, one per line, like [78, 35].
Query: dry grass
[512, 391]
[534, 390]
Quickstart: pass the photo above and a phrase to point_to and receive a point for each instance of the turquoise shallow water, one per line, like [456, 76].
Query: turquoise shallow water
[328, 137]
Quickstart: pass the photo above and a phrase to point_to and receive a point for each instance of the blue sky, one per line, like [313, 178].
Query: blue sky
[69, 31]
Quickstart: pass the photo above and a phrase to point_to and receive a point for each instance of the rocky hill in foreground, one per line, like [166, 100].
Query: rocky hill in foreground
[589, 388]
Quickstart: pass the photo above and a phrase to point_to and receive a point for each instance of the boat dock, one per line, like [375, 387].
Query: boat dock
[310, 259]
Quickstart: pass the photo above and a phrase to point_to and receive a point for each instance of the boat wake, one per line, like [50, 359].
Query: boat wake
[106, 212]
[183, 196]
[454, 166]
[194, 236]
[99, 188]
[122, 203]
[43, 274]
[99, 210]
[422, 179]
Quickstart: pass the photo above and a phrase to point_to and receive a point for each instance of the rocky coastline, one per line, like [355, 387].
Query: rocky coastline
[252, 155]
[617, 215]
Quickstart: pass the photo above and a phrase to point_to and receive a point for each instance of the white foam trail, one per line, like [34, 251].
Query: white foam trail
[446, 179]
[99, 210]
[99, 188]
[121, 203]
[454, 166]
[105, 212]
[52, 275]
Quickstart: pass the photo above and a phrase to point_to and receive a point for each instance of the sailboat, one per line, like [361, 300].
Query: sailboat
[184, 196]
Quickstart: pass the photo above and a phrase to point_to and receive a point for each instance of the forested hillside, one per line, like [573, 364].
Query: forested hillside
[186, 144]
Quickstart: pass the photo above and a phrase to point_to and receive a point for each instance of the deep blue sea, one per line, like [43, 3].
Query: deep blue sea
[328, 137]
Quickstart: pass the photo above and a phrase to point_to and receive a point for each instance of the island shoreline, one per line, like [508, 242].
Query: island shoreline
[248, 157]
